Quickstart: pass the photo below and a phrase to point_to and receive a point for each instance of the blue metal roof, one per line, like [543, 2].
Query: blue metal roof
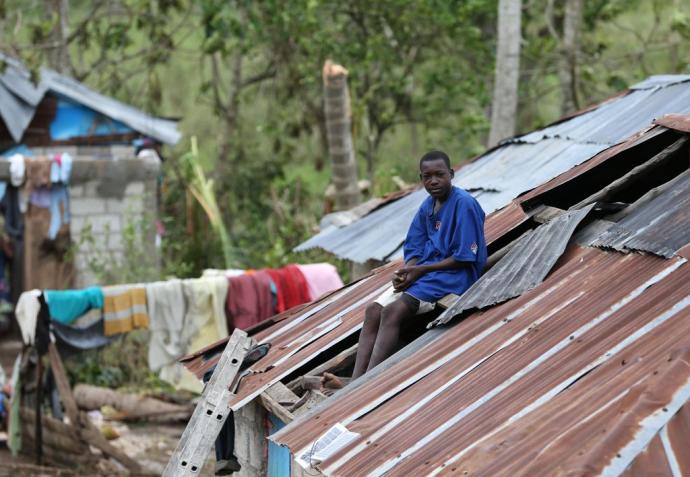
[19, 97]
[516, 166]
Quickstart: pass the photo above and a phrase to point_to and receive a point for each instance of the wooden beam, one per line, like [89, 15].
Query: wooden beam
[339, 361]
[276, 399]
[546, 213]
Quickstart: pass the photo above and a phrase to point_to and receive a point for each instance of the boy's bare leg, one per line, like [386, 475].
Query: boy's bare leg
[367, 338]
[392, 316]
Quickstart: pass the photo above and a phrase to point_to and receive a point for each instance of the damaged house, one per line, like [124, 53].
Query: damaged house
[570, 355]
[111, 148]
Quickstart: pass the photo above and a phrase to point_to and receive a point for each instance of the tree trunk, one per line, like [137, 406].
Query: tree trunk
[131, 406]
[570, 46]
[505, 97]
[58, 56]
[229, 111]
[339, 129]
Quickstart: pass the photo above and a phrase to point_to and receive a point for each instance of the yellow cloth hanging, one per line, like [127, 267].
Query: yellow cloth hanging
[124, 309]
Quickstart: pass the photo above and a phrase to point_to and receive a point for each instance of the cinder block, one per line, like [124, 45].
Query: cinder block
[105, 223]
[134, 188]
[88, 206]
[76, 191]
[115, 206]
[91, 189]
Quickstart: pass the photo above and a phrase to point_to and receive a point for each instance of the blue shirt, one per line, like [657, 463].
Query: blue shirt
[456, 230]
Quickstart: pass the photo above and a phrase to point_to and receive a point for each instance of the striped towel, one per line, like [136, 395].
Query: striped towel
[124, 309]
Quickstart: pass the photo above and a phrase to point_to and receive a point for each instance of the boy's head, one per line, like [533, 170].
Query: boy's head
[436, 174]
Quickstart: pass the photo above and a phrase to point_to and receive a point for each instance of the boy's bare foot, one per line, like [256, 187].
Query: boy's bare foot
[331, 381]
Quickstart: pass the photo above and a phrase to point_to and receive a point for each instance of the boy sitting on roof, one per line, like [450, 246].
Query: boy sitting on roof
[445, 253]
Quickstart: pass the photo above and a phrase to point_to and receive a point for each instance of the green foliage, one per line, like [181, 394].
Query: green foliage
[245, 77]
[122, 364]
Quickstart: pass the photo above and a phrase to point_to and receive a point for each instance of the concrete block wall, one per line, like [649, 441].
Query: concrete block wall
[99, 219]
[251, 446]
[109, 189]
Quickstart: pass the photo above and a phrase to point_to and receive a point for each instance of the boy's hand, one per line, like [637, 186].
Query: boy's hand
[405, 277]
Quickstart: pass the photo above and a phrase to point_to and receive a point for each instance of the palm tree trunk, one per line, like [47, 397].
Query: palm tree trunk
[339, 132]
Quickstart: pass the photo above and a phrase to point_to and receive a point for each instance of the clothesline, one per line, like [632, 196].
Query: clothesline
[182, 315]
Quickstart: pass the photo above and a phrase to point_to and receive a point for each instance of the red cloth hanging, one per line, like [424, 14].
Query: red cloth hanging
[249, 300]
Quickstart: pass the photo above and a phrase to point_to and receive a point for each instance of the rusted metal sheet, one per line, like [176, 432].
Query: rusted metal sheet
[678, 122]
[504, 384]
[658, 224]
[676, 441]
[651, 462]
[503, 221]
[522, 269]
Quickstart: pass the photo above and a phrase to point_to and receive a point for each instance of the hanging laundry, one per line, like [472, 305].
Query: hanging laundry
[61, 168]
[215, 272]
[321, 278]
[205, 316]
[17, 170]
[71, 339]
[298, 291]
[26, 312]
[88, 318]
[59, 209]
[166, 309]
[5, 248]
[204, 323]
[14, 227]
[277, 286]
[42, 338]
[124, 309]
[249, 300]
[40, 197]
[65, 306]
[292, 287]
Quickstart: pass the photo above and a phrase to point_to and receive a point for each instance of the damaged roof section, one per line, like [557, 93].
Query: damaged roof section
[524, 267]
[657, 223]
[515, 166]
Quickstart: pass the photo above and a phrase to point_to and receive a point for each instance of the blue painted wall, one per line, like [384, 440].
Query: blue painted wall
[278, 456]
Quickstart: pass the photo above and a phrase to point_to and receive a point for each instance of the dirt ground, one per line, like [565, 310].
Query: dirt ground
[151, 444]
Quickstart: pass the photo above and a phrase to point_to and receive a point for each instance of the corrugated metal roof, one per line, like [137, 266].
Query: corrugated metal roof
[659, 224]
[516, 166]
[584, 374]
[523, 268]
[488, 395]
[19, 98]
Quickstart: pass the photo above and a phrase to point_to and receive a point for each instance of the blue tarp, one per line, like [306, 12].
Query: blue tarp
[75, 120]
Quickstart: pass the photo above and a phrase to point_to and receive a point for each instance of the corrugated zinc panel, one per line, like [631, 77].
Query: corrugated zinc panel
[657, 225]
[523, 268]
[528, 375]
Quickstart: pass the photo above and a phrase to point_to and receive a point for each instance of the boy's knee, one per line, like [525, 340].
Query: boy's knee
[372, 314]
[393, 313]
